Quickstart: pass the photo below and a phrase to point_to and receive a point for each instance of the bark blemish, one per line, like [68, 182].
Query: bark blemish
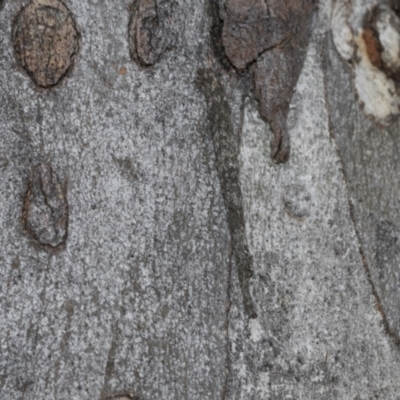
[127, 396]
[373, 47]
[269, 37]
[382, 38]
[149, 30]
[46, 41]
[369, 40]
[297, 201]
[226, 150]
[45, 211]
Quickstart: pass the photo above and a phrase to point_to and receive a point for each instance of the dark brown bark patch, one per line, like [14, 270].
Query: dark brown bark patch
[45, 212]
[373, 47]
[46, 41]
[248, 30]
[149, 32]
[277, 71]
[273, 35]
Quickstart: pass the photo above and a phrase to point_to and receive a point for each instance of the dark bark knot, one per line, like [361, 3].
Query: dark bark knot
[46, 41]
[270, 38]
[149, 32]
[45, 212]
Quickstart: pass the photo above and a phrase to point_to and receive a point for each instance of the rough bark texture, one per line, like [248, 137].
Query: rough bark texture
[172, 198]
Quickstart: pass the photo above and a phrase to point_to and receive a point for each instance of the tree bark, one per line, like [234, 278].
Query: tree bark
[151, 246]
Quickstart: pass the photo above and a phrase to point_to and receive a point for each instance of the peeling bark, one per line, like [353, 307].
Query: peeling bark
[273, 36]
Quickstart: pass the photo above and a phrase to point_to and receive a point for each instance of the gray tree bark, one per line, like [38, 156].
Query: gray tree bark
[151, 247]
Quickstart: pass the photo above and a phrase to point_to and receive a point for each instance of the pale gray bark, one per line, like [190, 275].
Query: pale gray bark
[146, 299]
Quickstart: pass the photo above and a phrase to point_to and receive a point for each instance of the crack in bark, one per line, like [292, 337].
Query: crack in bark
[225, 391]
[226, 150]
[109, 368]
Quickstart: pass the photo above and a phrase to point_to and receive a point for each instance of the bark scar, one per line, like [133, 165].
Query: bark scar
[46, 41]
[45, 211]
[150, 32]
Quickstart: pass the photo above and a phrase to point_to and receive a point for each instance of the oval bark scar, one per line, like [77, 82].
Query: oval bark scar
[150, 30]
[46, 40]
[45, 212]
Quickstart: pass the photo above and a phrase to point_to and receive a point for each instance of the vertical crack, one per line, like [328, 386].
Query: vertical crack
[225, 390]
[226, 148]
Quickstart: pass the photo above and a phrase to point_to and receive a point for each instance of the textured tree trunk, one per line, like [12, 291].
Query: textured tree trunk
[161, 237]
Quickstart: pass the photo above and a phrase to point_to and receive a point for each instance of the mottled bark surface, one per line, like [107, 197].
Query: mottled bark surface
[170, 189]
